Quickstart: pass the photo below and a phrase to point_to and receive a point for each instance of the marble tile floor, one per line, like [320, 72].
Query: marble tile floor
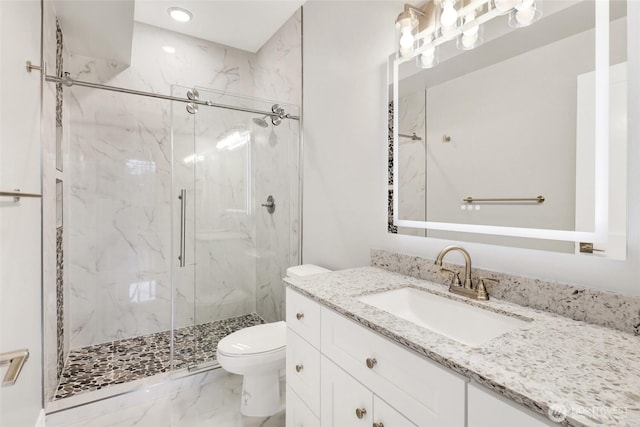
[209, 399]
[96, 367]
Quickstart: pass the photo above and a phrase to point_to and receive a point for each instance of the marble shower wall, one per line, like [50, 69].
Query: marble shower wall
[278, 76]
[119, 224]
[220, 272]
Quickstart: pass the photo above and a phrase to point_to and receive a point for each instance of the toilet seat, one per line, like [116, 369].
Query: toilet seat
[255, 341]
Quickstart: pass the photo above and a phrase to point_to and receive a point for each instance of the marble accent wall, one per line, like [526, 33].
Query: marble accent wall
[603, 308]
[122, 210]
[60, 354]
[390, 227]
[278, 76]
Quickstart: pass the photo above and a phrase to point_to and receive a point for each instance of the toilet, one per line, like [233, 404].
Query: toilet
[258, 353]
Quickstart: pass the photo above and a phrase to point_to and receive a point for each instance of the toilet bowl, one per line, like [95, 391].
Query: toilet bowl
[259, 353]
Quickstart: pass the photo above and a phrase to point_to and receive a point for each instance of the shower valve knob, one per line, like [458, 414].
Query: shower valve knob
[270, 205]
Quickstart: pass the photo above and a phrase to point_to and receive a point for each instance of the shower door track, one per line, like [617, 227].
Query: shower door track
[67, 81]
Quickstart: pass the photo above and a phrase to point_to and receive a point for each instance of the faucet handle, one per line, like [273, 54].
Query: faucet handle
[455, 276]
[482, 290]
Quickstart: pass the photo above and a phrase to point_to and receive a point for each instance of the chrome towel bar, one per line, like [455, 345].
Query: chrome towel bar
[16, 194]
[413, 136]
[538, 199]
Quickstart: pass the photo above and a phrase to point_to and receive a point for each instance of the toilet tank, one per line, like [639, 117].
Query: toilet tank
[305, 270]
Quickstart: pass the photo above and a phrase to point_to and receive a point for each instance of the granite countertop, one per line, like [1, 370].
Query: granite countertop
[585, 375]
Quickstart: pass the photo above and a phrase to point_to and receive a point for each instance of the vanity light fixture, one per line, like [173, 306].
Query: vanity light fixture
[471, 36]
[422, 29]
[406, 26]
[180, 14]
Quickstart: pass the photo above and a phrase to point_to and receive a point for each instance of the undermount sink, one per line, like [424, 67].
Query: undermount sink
[462, 322]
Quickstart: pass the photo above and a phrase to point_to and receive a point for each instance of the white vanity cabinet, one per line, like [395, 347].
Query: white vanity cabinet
[342, 374]
[303, 361]
[425, 393]
[346, 402]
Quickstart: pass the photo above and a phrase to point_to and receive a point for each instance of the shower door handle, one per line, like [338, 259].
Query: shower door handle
[183, 225]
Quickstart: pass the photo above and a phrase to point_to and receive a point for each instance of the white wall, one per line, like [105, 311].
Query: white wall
[20, 223]
[345, 135]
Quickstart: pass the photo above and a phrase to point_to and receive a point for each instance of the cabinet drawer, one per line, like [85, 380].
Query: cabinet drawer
[425, 393]
[303, 317]
[303, 370]
[345, 402]
[487, 409]
[298, 414]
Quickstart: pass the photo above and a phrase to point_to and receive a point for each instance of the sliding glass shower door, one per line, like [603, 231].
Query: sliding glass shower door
[231, 245]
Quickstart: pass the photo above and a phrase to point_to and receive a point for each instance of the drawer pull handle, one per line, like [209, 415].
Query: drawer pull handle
[371, 362]
[360, 413]
[299, 368]
[378, 425]
[299, 316]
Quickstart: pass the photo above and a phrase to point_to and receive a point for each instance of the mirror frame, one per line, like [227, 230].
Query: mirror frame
[601, 190]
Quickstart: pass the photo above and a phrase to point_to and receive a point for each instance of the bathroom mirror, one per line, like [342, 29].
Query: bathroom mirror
[516, 121]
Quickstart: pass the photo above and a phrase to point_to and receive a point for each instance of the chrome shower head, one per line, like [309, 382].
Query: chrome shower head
[261, 122]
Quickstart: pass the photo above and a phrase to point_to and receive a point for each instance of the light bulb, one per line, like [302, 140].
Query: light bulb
[525, 16]
[503, 6]
[469, 40]
[449, 15]
[406, 40]
[430, 50]
[427, 60]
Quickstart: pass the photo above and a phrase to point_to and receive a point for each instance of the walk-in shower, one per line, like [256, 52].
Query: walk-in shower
[168, 246]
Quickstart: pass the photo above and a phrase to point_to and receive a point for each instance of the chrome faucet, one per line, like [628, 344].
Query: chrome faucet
[467, 289]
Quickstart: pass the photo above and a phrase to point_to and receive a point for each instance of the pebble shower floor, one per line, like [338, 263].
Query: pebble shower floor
[95, 367]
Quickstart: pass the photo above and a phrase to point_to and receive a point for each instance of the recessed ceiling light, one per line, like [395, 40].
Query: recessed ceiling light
[169, 49]
[179, 14]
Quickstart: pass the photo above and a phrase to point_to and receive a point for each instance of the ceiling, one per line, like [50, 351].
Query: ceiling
[245, 25]
[104, 28]
[97, 28]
